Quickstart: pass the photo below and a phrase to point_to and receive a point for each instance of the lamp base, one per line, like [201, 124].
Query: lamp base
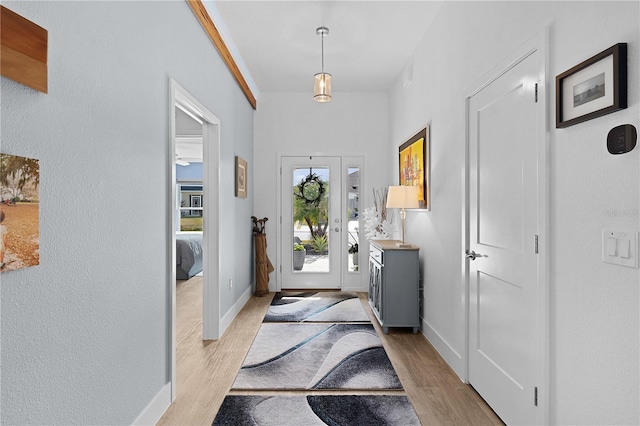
[404, 245]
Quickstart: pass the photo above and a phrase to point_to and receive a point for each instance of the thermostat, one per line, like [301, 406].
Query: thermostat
[622, 139]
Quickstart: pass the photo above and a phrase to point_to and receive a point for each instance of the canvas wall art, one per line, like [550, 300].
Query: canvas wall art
[19, 212]
[414, 165]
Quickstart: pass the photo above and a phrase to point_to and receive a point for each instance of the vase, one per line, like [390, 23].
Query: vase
[298, 259]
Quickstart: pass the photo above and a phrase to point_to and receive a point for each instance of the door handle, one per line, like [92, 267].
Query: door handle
[471, 255]
[337, 229]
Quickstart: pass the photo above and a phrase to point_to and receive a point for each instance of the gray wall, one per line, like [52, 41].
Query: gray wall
[85, 334]
[593, 307]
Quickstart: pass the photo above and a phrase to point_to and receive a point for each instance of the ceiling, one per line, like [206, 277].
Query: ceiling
[368, 45]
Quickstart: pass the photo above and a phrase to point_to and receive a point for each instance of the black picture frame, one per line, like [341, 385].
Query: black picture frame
[414, 166]
[593, 88]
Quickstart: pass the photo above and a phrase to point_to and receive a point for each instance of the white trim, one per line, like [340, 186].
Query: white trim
[180, 98]
[455, 360]
[539, 43]
[231, 314]
[156, 408]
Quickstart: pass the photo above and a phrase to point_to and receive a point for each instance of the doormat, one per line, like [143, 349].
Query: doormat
[316, 306]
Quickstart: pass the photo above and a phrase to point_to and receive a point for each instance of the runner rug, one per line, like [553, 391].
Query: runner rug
[316, 306]
[317, 356]
[343, 410]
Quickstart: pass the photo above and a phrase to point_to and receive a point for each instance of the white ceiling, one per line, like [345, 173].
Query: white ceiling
[368, 45]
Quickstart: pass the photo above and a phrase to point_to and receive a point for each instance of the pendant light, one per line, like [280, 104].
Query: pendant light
[322, 80]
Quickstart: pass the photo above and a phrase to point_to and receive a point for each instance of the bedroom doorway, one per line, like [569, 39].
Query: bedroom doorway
[203, 208]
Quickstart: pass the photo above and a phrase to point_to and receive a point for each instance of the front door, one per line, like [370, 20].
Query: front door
[311, 223]
[504, 138]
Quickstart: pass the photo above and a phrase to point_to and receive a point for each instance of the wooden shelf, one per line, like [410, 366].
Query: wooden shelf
[24, 50]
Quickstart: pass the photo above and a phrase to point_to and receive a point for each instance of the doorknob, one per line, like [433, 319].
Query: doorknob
[471, 255]
[337, 229]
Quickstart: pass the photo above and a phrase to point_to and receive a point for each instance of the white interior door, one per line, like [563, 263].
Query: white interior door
[311, 209]
[504, 136]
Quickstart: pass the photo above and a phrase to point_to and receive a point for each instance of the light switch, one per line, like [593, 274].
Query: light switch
[624, 248]
[620, 247]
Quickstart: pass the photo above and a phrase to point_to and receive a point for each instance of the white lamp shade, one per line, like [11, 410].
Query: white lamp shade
[322, 87]
[403, 197]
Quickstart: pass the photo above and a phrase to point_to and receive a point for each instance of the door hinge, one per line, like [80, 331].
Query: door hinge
[535, 396]
[536, 244]
[280, 268]
[280, 171]
[536, 92]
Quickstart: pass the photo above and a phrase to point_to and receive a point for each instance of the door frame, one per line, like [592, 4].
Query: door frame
[180, 98]
[538, 43]
[350, 281]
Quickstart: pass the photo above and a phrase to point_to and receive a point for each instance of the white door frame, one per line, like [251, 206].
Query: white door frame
[351, 281]
[180, 98]
[539, 43]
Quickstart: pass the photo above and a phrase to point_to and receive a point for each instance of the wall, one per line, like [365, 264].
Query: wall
[352, 124]
[85, 335]
[190, 173]
[593, 306]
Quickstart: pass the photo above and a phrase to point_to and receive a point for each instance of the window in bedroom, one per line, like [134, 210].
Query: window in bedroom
[190, 205]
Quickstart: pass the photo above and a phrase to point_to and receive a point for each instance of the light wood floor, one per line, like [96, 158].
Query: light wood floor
[206, 370]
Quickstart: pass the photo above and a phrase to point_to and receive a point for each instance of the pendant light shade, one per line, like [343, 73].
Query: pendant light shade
[322, 80]
[322, 87]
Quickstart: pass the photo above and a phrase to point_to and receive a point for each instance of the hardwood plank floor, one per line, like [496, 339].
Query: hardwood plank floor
[206, 370]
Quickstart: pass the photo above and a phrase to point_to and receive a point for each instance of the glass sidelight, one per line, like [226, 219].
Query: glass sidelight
[352, 203]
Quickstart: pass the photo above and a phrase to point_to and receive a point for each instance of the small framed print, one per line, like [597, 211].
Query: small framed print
[595, 87]
[241, 178]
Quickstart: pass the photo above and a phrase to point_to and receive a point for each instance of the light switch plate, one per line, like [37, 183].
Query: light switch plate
[620, 247]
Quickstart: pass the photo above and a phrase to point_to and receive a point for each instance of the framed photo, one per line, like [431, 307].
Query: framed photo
[19, 212]
[414, 165]
[241, 178]
[596, 87]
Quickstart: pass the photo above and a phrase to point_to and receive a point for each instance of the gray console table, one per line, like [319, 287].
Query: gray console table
[394, 284]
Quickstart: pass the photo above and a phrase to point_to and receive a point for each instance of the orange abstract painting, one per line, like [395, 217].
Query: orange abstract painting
[414, 165]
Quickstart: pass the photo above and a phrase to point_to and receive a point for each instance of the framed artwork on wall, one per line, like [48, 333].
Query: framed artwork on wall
[414, 164]
[241, 178]
[19, 212]
[595, 87]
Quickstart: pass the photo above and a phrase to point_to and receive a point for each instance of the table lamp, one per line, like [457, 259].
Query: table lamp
[403, 197]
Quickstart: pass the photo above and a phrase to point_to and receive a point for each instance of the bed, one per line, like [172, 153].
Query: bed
[188, 254]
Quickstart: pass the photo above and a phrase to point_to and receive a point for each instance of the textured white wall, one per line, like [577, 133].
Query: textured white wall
[85, 333]
[594, 307]
[352, 124]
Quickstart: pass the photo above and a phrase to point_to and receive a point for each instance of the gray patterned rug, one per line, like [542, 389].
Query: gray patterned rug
[317, 356]
[343, 410]
[316, 306]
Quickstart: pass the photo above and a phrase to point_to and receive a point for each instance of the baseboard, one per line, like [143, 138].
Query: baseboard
[228, 318]
[357, 289]
[156, 408]
[446, 351]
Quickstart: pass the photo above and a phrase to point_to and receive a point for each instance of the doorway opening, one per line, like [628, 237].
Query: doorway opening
[320, 223]
[202, 210]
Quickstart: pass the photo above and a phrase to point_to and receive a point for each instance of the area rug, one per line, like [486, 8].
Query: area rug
[342, 410]
[316, 306]
[317, 356]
